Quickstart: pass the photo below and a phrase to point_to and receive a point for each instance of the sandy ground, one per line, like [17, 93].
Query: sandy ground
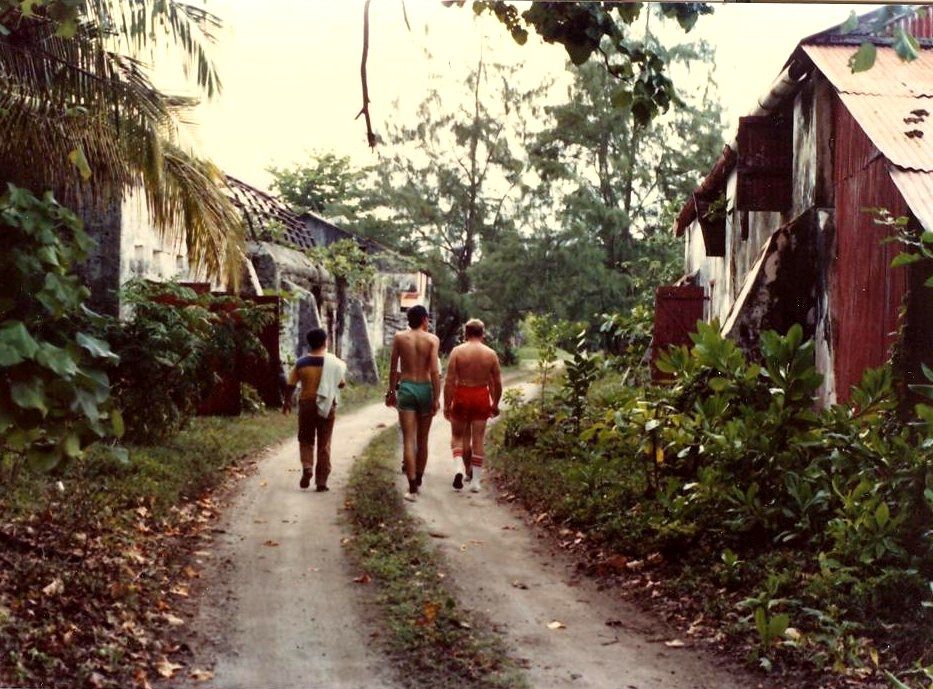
[289, 616]
[501, 569]
[280, 609]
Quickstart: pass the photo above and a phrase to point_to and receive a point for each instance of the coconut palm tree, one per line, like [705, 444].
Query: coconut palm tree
[79, 115]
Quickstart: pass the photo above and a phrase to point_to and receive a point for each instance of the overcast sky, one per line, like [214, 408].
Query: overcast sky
[290, 68]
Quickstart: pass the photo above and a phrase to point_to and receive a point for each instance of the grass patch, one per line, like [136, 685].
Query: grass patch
[433, 640]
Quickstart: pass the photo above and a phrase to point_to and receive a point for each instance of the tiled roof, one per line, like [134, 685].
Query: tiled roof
[267, 218]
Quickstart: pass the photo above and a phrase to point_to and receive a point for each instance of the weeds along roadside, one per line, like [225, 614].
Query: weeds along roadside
[800, 539]
[432, 639]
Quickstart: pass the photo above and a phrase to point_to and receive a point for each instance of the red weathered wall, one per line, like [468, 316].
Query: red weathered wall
[866, 293]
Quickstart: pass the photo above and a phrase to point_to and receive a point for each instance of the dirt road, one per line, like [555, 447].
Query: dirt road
[503, 570]
[282, 611]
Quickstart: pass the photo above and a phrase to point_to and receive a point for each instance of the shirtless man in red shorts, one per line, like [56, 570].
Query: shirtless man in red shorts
[471, 396]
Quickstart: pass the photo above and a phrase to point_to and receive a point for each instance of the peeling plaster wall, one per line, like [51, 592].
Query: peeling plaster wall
[144, 252]
[723, 278]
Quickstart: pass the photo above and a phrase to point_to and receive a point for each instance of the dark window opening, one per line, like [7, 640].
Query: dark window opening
[765, 164]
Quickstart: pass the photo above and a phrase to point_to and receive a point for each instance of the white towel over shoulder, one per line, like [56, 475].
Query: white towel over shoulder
[328, 390]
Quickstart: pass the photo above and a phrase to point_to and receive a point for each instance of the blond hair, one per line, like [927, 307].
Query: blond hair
[473, 328]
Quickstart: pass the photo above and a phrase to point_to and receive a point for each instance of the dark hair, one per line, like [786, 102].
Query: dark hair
[317, 337]
[473, 328]
[416, 316]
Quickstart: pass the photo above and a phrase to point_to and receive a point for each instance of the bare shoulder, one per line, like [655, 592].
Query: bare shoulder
[490, 352]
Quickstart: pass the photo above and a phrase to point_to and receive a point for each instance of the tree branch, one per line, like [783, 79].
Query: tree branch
[370, 134]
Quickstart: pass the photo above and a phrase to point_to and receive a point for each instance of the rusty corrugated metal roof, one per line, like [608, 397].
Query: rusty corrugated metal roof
[900, 126]
[917, 190]
[888, 77]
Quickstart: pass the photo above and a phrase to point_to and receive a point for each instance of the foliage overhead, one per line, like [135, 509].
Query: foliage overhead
[75, 95]
[586, 28]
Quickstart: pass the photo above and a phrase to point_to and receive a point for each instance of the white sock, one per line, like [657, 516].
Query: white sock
[477, 476]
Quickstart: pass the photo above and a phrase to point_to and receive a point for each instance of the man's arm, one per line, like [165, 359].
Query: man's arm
[450, 382]
[393, 374]
[436, 372]
[495, 384]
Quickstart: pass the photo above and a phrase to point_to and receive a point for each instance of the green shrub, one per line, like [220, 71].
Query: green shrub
[54, 390]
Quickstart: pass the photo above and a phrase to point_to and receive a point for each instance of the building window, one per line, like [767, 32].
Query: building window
[765, 164]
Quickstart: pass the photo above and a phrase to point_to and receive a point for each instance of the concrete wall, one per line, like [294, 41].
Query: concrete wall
[147, 253]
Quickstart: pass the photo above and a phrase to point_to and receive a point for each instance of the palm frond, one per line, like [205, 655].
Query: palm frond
[62, 95]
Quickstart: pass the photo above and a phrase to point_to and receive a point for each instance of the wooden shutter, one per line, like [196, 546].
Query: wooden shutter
[765, 164]
[676, 312]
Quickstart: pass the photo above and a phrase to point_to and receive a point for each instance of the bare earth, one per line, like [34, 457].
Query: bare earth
[281, 610]
[504, 571]
[288, 615]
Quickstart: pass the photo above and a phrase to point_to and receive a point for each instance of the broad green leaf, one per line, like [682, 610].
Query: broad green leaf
[4, 31]
[863, 59]
[42, 460]
[905, 45]
[882, 514]
[905, 259]
[850, 24]
[29, 395]
[71, 445]
[79, 160]
[16, 344]
[895, 682]
[927, 238]
[116, 420]
[120, 454]
[56, 359]
[86, 402]
[26, 7]
[97, 348]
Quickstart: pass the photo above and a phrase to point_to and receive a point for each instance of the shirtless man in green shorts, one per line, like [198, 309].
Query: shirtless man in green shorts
[415, 390]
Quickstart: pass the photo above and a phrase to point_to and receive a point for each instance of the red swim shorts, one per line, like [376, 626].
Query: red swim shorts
[471, 404]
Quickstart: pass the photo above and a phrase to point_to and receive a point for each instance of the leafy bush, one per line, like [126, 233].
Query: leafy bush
[54, 391]
[174, 348]
[822, 517]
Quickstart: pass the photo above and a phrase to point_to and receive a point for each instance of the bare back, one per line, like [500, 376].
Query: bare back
[416, 353]
[473, 364]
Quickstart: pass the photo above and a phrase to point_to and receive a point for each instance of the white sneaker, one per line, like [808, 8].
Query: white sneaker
[475, 486]
[411, 497]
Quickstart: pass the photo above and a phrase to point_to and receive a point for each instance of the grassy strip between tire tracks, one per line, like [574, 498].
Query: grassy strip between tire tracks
[434, 641]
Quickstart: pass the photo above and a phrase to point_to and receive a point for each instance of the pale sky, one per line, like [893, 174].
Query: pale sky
[290, 68]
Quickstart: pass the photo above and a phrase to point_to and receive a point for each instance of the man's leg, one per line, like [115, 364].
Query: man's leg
[478, 433]
[424, 429]
[457, 429]
[305, 445]
[325, 430]
[408, 420]
[468, 451]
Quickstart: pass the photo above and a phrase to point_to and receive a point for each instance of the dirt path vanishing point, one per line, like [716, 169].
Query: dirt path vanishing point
[503, 571]
[281, 610]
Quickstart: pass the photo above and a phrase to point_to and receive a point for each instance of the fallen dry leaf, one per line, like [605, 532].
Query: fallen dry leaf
[556, 625]
[166, 668]
[56, 588]
[173, 620]
[263, 484]
[270, 543]
[363, 579]
[674, 643]
[201, 675]
[520, 585]
[430, 614]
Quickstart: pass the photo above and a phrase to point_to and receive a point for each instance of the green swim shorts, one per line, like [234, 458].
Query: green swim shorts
[416, 397]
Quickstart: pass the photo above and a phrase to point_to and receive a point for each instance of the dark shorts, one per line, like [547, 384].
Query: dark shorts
[416, 396]
[471, 404]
